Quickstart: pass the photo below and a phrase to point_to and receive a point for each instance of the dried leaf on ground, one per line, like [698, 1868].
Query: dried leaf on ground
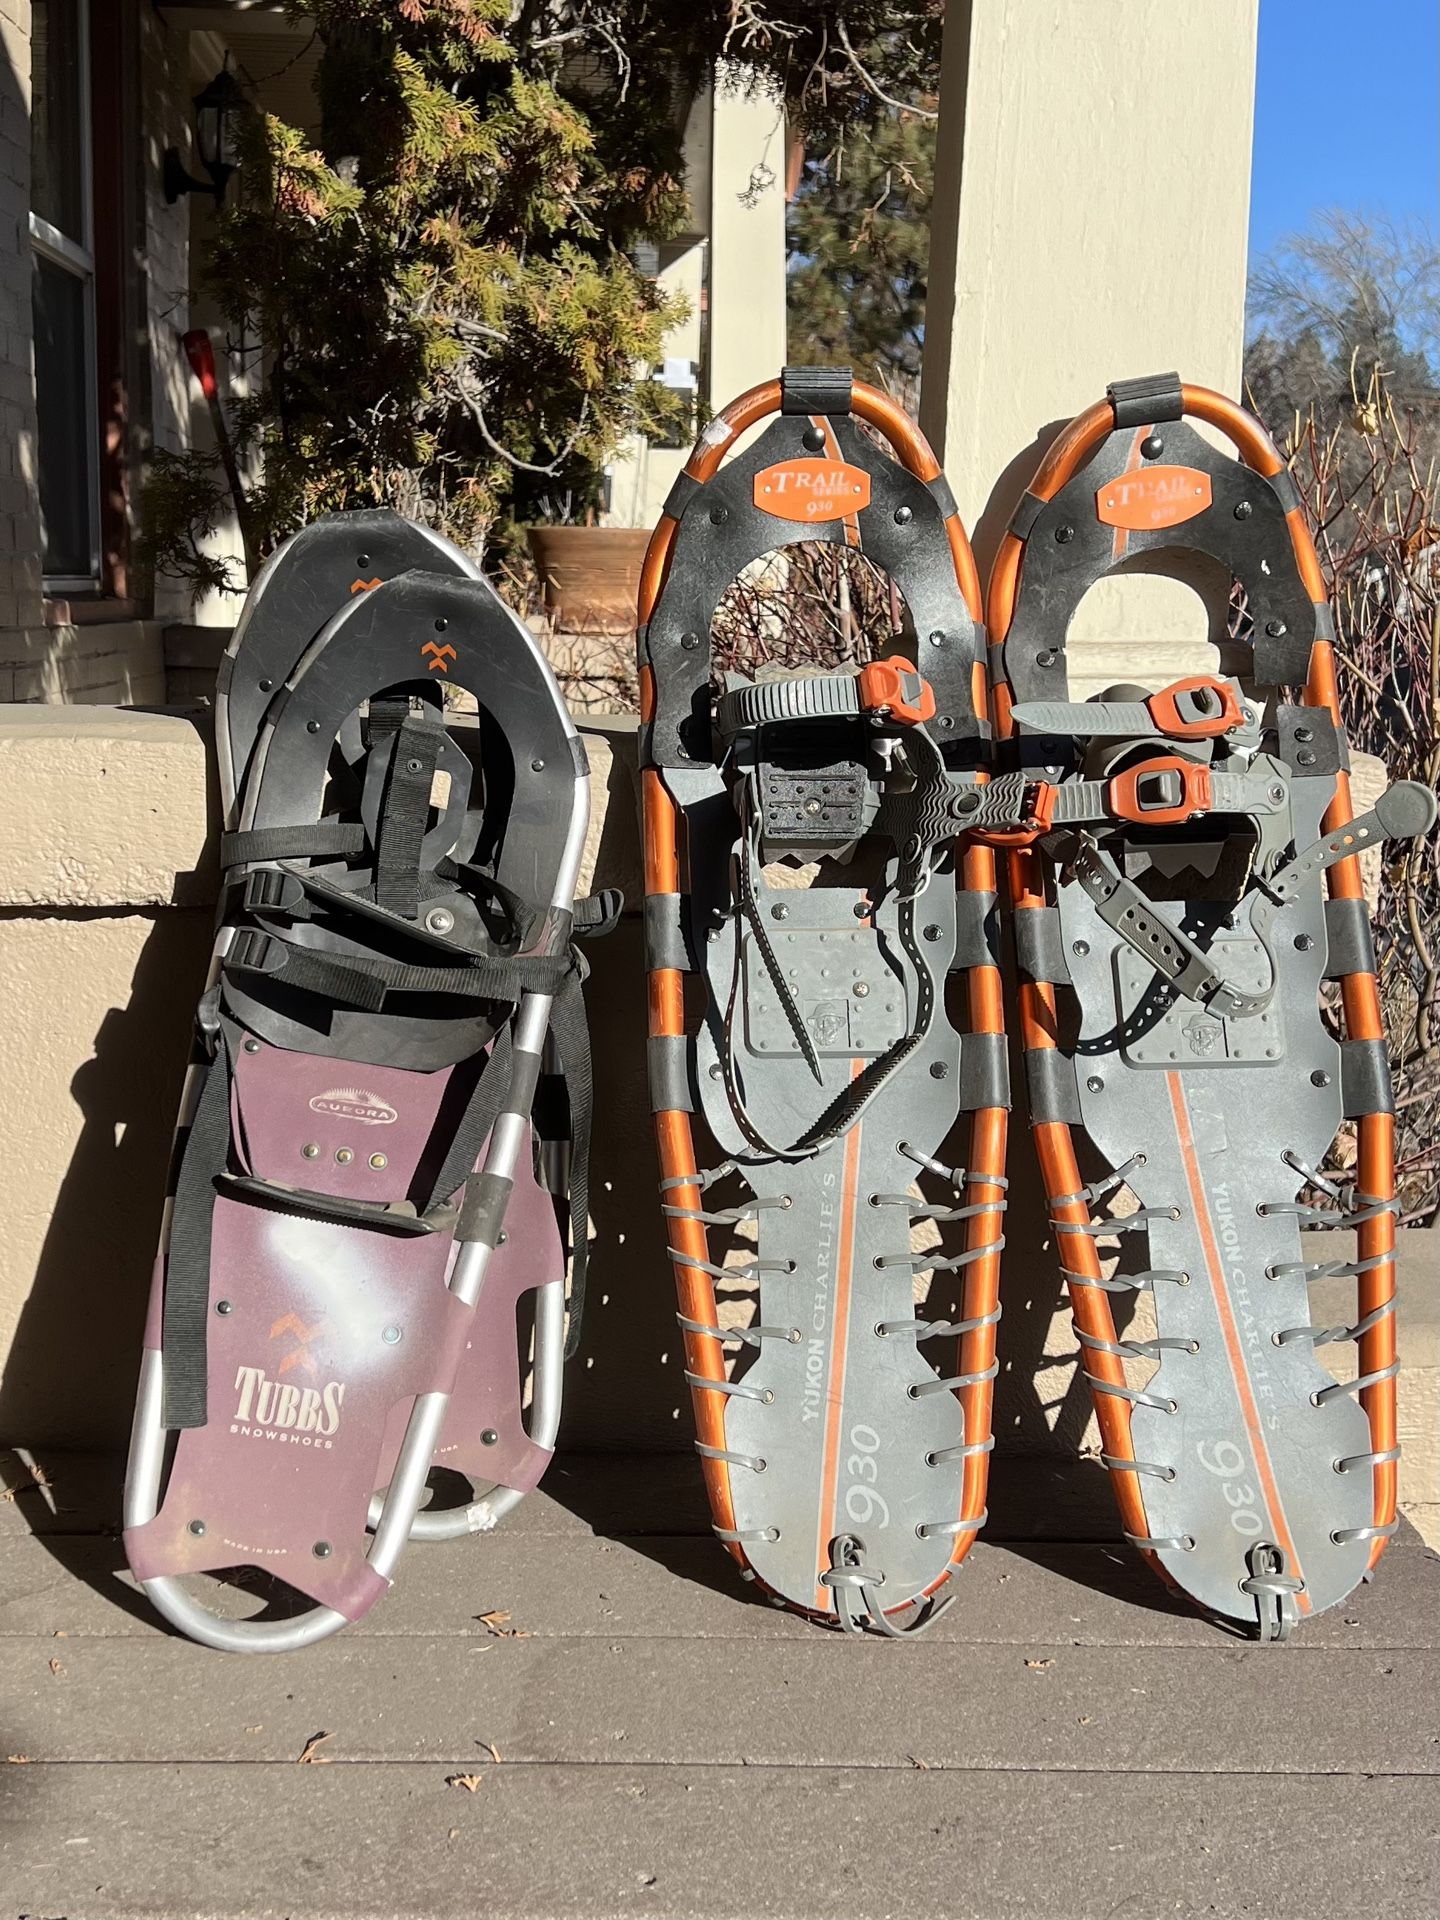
[1039, 1666]
[309, 1755]
[56, 1667]
[469, 1781]
[498, 1623]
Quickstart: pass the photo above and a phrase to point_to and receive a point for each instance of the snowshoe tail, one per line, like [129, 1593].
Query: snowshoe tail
[1168, 852]
[846, 1472]
[355, 1163]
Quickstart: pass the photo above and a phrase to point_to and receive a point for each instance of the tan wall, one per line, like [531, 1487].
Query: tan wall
[1091, 206]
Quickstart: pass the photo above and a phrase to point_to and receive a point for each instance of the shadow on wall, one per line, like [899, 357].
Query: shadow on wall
[72, 1368]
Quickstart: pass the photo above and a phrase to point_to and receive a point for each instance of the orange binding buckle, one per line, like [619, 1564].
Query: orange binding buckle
[1037, 817]
[897, 686]
[1160, 793]
[1225, 712]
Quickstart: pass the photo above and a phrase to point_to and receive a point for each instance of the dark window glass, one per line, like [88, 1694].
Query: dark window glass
[64, 423]
[57, 116]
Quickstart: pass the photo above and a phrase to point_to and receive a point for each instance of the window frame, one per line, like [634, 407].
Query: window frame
[77, 258]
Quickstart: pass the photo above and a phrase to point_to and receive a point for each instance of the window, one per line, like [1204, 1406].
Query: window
[64, 293]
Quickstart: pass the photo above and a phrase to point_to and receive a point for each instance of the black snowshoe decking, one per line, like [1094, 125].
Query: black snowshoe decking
[846, 1474]
[1172, 935]
[394, 953]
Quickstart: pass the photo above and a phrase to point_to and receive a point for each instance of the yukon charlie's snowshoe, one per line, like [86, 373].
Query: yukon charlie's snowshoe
[1173, 934]
[355, 1168]
[846, 1472]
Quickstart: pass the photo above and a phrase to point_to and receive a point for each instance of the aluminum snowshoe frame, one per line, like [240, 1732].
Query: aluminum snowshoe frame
[846, 1475]
[434, 969]
[1172, 937]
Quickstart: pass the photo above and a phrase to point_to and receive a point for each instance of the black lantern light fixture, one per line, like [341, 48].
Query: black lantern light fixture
[217, 109]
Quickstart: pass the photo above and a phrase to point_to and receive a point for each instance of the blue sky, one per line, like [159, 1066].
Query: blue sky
[1347, 112]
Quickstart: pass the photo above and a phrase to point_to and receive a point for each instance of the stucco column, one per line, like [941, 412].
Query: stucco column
[1091, 203]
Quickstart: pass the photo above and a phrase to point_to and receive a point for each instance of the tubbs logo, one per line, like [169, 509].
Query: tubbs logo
[353, 1103]
[1153, 497]
[809, 490]
[269, 1410]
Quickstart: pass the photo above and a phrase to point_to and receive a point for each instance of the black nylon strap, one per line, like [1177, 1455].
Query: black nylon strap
[324, 840]
[598, 913]
[571, 1035]
[187, 1257]
[1140, 403]
[816, 389]
[365, 983]
[404, 810]
[483, 1110]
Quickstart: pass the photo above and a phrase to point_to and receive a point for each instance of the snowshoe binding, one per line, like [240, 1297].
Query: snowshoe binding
[823, 1074]
[355, 1215]
[1169, 852]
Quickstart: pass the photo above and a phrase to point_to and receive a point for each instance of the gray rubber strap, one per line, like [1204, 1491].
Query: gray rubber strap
[1082, 800]
[1081, 717]
[818, 696]
[1173, 954]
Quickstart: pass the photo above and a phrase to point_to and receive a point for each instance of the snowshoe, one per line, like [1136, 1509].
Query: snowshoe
[355, 1167]
[1174, 939]
[825, 1071]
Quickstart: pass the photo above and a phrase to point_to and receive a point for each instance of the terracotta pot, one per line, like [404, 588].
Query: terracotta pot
[590, 575]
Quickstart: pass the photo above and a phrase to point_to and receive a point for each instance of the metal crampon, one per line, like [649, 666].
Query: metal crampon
[846, 1463]
[1168, 858]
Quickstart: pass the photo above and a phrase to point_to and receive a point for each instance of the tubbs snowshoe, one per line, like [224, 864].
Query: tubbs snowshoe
[846, 1472]
[355, 1166]
[1173, 938]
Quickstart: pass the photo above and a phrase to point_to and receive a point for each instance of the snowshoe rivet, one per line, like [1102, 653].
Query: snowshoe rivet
[1183, 1281]
[266, 685]
[1064, 535]
[945, 723]
[439, 920]
[794, 1336]
[391, 1336]
[718, 516]
[412, 766]
[1304, 733]
[312, 726]
[378, 1160]
[252, 1046]
[968, 802]
[441, 625]
[224, 1306]
[812, 807]
[715, 1073]
[933, 932]
[1046, 658]
[362, 559]
[311, 1150]
[537, 766]
[1276, 629]
[1305, 757]
[767, 1398]
[937, 639]
[1152, 446]
[938, 1070]
[760, 1466]
[502, 1239]
[861, 910]
[1243, 510]
[1304, 942]
[1082, 947]
[197, 1527]
[814, 438]
[689, 641]
[860, 989]
[1319, 1078]
[1095, 1083]
[322, 1549]
[903, 516]
[489, 1437]
[780, 912]
[344, 1155]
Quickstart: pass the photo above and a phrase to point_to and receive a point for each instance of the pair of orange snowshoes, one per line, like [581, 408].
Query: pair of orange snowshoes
[827, 1036]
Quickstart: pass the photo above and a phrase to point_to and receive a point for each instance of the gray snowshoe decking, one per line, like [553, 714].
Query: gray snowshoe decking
[846, 1464]
[1173, 934]
[355, 1167]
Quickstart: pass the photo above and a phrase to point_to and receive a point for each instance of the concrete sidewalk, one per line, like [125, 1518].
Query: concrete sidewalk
[589, 1715]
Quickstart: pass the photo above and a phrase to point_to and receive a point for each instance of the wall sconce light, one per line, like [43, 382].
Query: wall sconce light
[217, 109]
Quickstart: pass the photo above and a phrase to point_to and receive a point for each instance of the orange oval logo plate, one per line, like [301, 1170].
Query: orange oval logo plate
[811, 490]
[1153, 497]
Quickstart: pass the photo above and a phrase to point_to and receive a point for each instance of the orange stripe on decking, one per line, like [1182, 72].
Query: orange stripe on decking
[835, 1386]
[1232, 1334]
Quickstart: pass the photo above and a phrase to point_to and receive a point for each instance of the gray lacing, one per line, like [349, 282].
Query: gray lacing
[1102, 1229]
[847, 1577]
[1273, 1591]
